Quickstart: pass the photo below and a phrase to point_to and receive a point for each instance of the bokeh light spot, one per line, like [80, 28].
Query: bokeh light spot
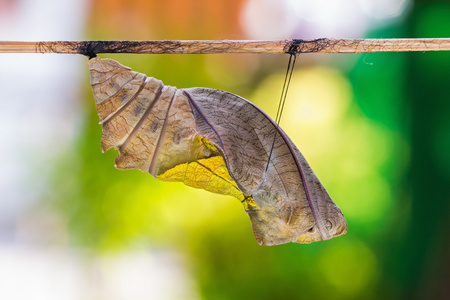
[384, 9]
[349, 267]
[328, 90]
[268, 19]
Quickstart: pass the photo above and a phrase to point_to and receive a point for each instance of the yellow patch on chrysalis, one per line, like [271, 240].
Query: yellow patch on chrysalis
[210, 174]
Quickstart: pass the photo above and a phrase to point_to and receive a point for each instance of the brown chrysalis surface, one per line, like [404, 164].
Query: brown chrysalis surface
[217, 141]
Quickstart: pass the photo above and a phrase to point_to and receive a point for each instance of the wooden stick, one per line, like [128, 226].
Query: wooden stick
[91, 48]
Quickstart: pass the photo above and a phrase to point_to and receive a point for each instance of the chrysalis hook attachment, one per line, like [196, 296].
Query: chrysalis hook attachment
[294, 48]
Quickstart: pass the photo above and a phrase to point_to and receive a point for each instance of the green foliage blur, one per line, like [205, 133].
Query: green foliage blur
[374, 127]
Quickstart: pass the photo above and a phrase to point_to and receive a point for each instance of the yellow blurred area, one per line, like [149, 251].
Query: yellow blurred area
[350, 268]
[168, 212]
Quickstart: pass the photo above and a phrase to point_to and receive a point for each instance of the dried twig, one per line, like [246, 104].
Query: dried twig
[91, 48]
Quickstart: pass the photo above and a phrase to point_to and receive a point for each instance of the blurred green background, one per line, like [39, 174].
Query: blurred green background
[374, 127]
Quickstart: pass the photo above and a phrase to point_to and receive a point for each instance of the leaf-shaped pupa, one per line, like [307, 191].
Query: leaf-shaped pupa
[217, 141]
